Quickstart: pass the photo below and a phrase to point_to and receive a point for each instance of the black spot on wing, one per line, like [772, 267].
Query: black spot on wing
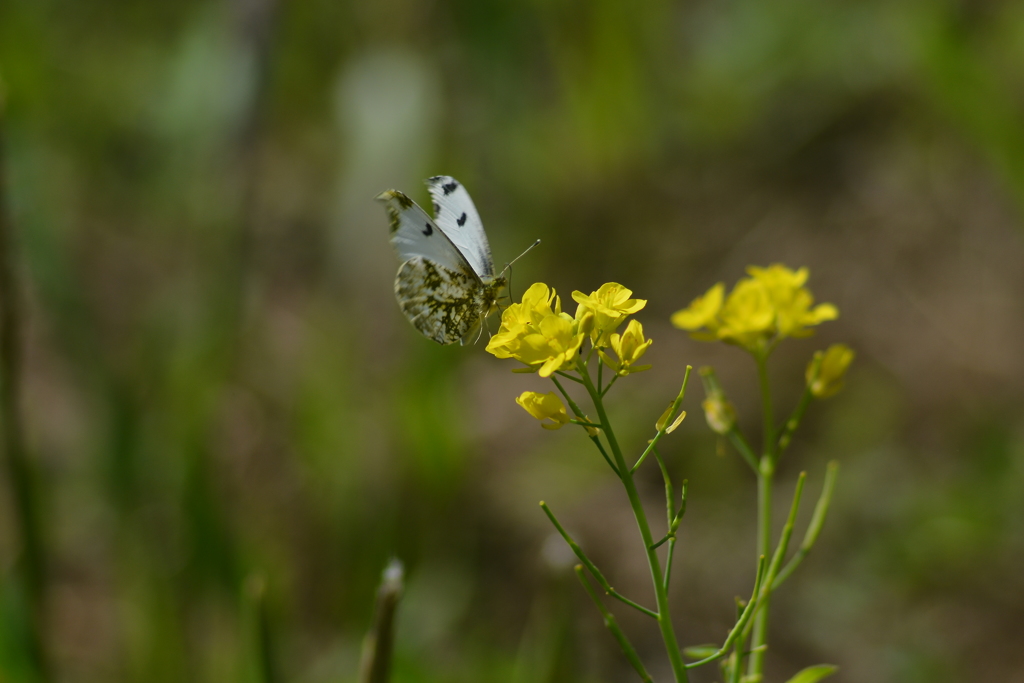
[428, 230]
[462, 220]
[449, 188]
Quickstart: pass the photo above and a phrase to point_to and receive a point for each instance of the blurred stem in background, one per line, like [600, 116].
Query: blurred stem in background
[765, 477]
[375, 663]
[261, 659]
[30, 568]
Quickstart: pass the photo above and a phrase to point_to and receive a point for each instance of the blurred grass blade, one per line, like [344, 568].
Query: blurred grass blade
[31, 565]
[375, 663]
[262, 665]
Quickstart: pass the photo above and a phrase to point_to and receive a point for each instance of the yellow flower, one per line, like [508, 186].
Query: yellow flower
[702, 312]
[610, 305]
[539, 301]
[537, 333]
[629, 347]
[552, 344]
[792, 300]
[544, 407]
[827, 370]
[747, 316]
[771, 304]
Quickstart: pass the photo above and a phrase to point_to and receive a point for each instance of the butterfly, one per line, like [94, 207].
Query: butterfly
[446, 285]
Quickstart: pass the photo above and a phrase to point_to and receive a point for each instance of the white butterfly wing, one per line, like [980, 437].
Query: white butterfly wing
[455, 214]
[413, 233]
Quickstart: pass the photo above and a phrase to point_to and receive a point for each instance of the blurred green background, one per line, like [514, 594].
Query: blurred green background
[218, 386]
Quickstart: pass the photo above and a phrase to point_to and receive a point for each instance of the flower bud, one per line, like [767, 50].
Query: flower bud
[827, 370]
[719, 413]
[544, 407]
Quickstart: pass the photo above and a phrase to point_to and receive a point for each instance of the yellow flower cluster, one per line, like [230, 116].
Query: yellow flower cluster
[770, 304]
[539, 334]
[547, 340]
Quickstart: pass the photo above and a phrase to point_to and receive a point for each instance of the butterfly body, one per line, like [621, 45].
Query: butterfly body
[446, 284]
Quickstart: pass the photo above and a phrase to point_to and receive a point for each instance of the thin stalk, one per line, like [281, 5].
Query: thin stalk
[667, 537]
[814, 528]
[668, 635]
[613, 626]
[591, 566]
[580, 415]
[375, 662]
[568, 376]
[670, 502]
[610, 384]
[766, 403]
[793, 422]
[741, 623]
[743, 448]
[764, 530]
[765, 476]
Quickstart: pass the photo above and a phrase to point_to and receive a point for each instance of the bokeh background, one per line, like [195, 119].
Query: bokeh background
[218, 392]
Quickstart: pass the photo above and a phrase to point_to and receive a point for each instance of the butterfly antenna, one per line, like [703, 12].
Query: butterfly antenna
[508, 269]
[525, 252]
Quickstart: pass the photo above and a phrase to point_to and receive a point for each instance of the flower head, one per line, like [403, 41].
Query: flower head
[544, 407]
[610, 305]
[771, 304]
[628, 347]
[537, 333]
[827, 370]
[539, 301]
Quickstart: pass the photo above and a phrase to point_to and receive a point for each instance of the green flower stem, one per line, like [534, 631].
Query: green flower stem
[759, 649]
[591, 566]
[567, 376]
[610, 384]
[613, 626]
[667, 537]
[668, 635]
[741, 623]
[794, 421]
[600, 376]
[672, 517]
[766, 403]
[579, 415]
[670, 503]
[814, 528]
[764, 520]
[743, 448]
[765, 476]
[787, 533]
